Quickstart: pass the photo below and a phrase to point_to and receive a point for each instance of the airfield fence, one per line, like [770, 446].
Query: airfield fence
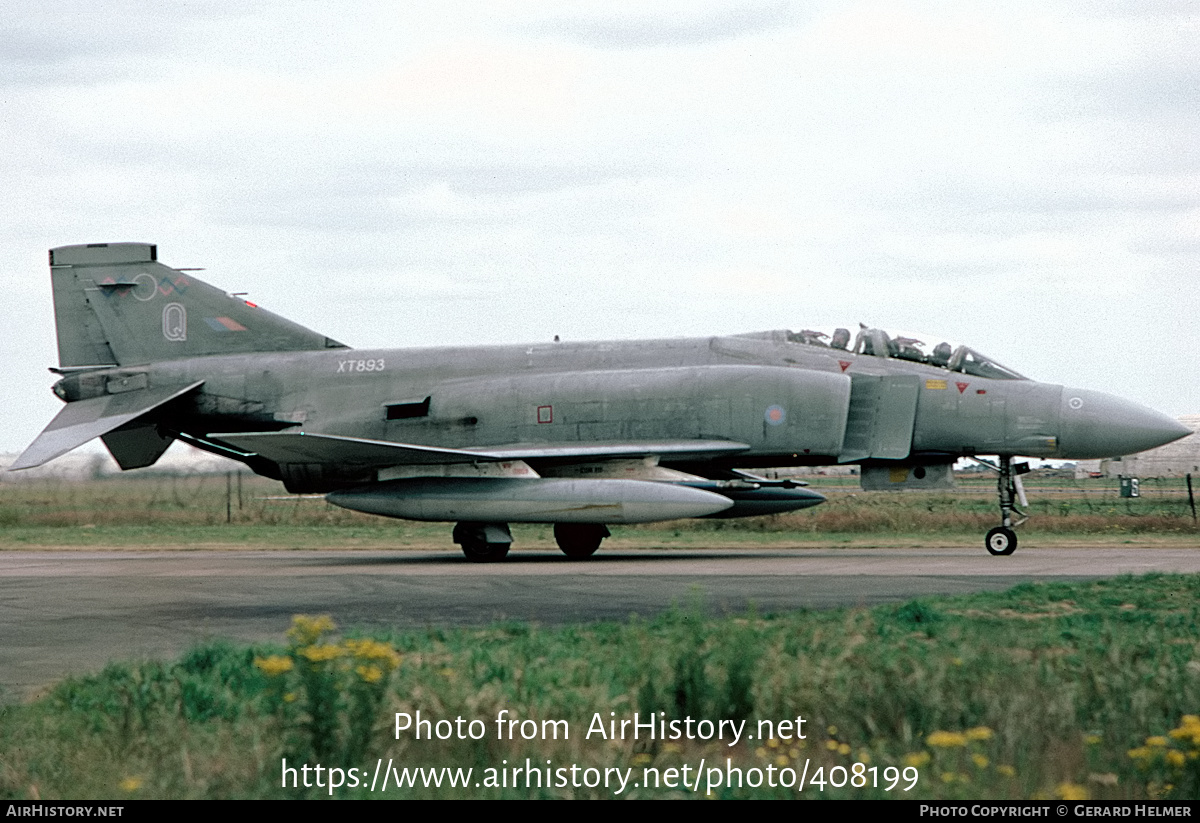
[1056, 505]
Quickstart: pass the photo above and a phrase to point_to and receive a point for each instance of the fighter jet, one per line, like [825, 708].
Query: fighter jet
[580, 435]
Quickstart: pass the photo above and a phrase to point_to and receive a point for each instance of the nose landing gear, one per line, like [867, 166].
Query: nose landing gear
[1002, 540]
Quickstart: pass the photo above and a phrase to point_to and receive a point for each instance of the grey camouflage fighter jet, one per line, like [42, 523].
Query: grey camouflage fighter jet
[581, 435]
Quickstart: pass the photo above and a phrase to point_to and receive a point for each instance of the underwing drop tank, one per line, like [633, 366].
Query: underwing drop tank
[519, 500]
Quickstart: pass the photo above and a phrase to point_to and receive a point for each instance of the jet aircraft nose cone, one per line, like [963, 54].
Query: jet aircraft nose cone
[1096, 425]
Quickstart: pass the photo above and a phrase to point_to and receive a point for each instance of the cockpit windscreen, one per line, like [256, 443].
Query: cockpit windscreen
[878, 343]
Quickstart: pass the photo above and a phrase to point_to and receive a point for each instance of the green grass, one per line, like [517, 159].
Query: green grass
[1046, 690]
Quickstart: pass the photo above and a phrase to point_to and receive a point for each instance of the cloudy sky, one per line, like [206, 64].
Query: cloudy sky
[1020, 176]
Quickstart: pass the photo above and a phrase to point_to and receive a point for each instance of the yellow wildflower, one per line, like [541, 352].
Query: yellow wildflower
[978, 733]
[1071, 791]
[916, 759]
[274, 665]
[1006, 770]
[1157, 741]
[641, 759]
[1140, 753]
[369, 674]
[946, 739]
[980, 760]
[322, 653]
[1175, 758]
[375, 651]
[131, 784]
[1187, 731]
[307, 630]
[843, 749]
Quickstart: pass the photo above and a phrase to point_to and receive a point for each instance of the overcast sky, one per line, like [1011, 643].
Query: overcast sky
[1023, 177]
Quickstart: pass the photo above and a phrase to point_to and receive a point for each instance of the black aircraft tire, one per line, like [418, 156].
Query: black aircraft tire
[479, 552]
[579, 541]
[1001, 541]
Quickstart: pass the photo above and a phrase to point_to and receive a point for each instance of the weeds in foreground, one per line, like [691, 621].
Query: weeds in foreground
[327, 696]
[1050, 691]
[1171, 762]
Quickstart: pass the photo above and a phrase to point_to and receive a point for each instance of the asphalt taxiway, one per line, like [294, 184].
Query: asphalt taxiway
[66, 612]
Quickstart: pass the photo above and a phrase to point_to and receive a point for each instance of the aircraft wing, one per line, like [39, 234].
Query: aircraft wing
[80, 421]
[303, 447]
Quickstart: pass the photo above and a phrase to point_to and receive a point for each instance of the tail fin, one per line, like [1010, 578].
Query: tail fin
[115, 304]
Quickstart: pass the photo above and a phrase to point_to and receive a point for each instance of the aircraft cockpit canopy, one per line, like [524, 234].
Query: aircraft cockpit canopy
[878, 343]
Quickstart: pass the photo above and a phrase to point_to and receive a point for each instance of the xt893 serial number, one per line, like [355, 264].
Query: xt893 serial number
[360, 365]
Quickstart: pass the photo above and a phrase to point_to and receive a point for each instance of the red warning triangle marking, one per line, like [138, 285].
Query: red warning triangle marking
[962, 387]
[845, 364]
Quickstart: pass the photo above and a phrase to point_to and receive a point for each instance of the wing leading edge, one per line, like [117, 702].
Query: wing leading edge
[304, 447]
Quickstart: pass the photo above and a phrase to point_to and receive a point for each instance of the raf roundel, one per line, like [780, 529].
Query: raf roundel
[775, 415]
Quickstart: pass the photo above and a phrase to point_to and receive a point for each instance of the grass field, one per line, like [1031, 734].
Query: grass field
[1044, 691]
[206, 511]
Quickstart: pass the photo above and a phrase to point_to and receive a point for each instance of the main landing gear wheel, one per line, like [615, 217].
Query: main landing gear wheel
[483, 542]
[579, 541]
[1001, 540]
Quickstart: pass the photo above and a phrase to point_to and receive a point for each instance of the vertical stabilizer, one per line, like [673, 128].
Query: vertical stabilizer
[115, 304]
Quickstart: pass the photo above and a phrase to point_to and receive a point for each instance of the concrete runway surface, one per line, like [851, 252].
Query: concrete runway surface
[67, 612]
